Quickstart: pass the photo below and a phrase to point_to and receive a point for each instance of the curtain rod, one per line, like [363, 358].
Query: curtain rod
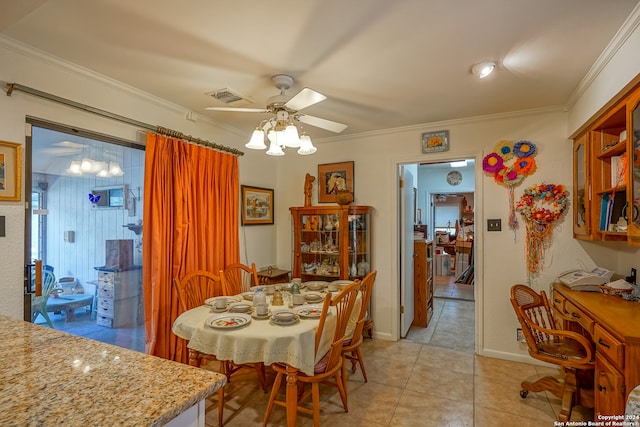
[159, 129]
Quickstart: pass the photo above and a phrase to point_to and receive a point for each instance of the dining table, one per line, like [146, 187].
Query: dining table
[261, 340]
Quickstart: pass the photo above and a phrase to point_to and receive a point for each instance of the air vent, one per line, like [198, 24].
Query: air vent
[228, 96]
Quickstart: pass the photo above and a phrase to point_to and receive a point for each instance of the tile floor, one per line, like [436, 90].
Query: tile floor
[432, 378]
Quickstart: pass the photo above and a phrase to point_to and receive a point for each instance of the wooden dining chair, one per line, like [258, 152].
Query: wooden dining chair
[351, 347]
[193, 289]
[548, 342]
[329, 368]
[238, 278]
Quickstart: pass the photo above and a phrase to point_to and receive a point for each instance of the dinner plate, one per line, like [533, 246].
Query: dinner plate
[211, 301]
[228, 320]
[309, 311]
[240, 307]
[315, 285]
[313, 297]
[277, 318]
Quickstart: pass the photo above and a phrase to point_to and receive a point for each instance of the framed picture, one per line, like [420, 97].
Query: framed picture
[10, 171]
[333, 177]
[257, 205]
[435, 141]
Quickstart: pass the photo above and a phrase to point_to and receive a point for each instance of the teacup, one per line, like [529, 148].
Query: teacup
[262, 309]
[220, 303]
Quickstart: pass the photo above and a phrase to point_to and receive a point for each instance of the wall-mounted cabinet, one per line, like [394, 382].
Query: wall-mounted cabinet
[606, 175]
[331, 242]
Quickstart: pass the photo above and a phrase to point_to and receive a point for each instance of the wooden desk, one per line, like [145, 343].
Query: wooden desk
[613, 325]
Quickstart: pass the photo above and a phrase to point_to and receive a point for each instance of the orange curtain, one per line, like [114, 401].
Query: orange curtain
[190, 222]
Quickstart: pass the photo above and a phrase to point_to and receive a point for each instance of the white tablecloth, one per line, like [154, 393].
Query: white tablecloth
[259, 341]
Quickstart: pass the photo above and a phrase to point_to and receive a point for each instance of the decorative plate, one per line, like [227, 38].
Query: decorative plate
[310, 311]
[228, 320]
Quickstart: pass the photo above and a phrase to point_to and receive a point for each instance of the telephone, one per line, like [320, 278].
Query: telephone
[580, 280]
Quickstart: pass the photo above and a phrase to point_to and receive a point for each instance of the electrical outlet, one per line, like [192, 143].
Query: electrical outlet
[494, 224]
[519, 335]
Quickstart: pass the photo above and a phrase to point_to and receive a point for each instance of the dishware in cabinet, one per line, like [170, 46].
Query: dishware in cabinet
[331, 242]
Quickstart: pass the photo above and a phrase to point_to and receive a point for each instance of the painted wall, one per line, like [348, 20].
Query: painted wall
[34, 69]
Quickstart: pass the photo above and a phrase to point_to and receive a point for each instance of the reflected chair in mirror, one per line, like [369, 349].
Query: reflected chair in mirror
[39, 303]
[353, 338]
[193, 289]
[548, 342]
[236, 279]
[328, 369]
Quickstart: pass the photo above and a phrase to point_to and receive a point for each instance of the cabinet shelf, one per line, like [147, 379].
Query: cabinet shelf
[615, 150]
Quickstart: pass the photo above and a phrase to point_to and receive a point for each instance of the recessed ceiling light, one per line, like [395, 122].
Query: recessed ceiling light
[483, 69]
[458, 164]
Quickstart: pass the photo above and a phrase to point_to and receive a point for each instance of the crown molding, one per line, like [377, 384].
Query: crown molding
[630, 25]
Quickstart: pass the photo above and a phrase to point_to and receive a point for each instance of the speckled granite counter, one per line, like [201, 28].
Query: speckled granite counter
[48, 377]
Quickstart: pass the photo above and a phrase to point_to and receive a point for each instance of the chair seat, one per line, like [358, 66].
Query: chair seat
[321, 366]
[565, 349]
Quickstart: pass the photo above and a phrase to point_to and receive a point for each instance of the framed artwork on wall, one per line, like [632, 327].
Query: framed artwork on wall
[257, 205]
[332, 178]
[10, 171]
[433, 142]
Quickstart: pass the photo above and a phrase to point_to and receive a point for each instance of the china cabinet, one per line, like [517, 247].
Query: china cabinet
[331, 242]
[606, 174]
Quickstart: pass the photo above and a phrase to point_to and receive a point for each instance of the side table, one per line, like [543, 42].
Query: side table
[272, 276]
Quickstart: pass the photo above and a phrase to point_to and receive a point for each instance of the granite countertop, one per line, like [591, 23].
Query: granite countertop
[49, 377]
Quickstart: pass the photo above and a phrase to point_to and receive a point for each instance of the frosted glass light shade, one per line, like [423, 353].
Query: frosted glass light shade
[75, 168]
[291, 138]
[275, 149]
[257, 140]
[306, 146]
[115, 169]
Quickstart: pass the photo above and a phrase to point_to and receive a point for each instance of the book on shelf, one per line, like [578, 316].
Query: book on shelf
[611, 209]
[618, 169]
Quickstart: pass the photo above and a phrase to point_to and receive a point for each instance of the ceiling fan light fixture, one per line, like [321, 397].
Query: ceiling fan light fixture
[257, 140]
[75, 168]
[115, 169]
[306, 146]
[291, 137]
[483, 69]
[275, 149]
[87, 165]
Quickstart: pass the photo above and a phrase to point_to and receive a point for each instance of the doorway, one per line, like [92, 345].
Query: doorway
[445, 200]
[85, 224]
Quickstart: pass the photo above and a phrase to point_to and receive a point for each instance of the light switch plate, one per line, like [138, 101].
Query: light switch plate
[494, 224]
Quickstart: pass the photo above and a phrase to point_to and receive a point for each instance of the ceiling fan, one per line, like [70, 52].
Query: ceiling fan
[287, 109]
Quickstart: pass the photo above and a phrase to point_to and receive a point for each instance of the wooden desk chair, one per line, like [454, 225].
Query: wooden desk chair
[330, 365]
[193, 289]
[39, 303]
[549, 343]
[238, 278]
[351, 347]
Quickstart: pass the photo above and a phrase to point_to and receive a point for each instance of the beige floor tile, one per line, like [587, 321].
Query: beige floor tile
[502, 396]
[382, 371]
[442, 383]
[414, 410]
[446, 359]
[491, 418]
[368, 402]
[404, 350]
[504, 370]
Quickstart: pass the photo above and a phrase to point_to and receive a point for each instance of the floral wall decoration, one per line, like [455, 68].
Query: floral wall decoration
[509, 164]
[541, 206]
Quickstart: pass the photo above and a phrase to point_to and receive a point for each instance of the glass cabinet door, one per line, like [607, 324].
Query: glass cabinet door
[319, 247]
[633, 203]
[581, 188]
[359, 246]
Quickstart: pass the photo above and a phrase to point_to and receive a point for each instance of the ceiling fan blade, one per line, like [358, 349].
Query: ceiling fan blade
[305, 98]
[238, 110]
[322, 123]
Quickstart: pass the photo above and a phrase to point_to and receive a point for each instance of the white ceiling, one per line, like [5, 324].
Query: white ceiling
[381, 63]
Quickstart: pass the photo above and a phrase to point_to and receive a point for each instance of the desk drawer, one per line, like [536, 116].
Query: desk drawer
[608, 345]
[579, 316]
[558, 301]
